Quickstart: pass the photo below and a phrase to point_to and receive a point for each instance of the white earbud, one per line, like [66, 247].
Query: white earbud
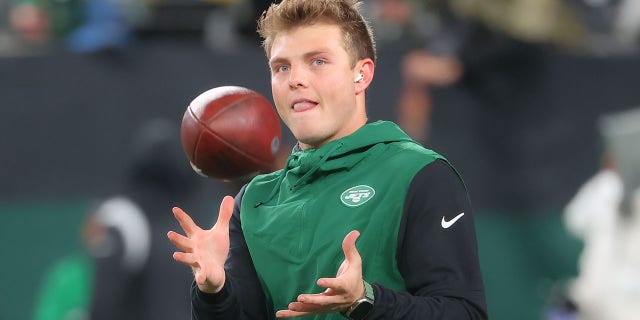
[359, 78]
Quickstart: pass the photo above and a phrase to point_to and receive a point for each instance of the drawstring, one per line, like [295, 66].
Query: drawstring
[300, 181]
[310, 173]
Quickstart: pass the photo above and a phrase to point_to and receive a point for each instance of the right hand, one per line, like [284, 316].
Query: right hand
[205, 251]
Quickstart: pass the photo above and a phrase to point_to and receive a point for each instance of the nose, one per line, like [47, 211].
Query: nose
[297, 78]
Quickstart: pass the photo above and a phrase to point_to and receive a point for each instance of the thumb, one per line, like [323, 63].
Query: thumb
[351, 253]
[225, 213]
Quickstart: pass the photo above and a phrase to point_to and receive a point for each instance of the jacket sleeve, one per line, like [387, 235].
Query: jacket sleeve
[242, 296]
[437, 253]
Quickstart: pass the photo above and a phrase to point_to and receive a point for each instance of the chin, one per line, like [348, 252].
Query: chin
[312, 133]
[311, 140]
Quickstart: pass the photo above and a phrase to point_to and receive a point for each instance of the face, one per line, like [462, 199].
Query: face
[313, 86]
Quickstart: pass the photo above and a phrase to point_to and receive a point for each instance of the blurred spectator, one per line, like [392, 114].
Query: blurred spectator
[66, 290]
[81, 26]
[107, 24]
[422, 70]
[454, 42]
[135, 277]
[612, 26]
[593, 217]
[127, 270]
[407, 22]
[552, 22]
[608, 283]
[605, 215]
[487, 56]
[627, 25]
[41, 21]
[397, 21]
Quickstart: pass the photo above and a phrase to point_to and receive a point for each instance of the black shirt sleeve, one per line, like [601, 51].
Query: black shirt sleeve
[437, 253]
[242, 296]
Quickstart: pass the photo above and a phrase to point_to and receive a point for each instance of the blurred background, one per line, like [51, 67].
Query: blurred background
[534, 101]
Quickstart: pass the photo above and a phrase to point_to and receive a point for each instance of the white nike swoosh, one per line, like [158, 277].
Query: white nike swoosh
[446, 224]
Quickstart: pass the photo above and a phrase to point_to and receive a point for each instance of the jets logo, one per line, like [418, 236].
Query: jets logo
[357, 196]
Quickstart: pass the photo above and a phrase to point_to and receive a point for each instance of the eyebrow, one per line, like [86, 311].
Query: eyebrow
[305, 56]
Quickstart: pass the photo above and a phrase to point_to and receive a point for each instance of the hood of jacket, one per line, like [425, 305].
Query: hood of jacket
[304, 166]
[343, 153]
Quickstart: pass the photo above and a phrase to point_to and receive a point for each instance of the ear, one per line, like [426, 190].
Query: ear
[364, 67]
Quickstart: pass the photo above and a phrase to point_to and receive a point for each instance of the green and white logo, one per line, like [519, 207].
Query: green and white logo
[357, 196]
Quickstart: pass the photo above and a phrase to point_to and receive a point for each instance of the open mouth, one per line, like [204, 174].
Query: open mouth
[303, 105]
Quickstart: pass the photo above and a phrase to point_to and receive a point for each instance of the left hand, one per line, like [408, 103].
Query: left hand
[341, 292]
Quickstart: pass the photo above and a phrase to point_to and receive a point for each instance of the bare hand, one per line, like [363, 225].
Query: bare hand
[342, 291]
[205, 251]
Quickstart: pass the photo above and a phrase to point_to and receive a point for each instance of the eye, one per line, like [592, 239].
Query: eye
[282, 68]
[279, 68]
[318, 62]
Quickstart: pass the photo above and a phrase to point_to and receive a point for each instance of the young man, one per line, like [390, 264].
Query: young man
[287, 247]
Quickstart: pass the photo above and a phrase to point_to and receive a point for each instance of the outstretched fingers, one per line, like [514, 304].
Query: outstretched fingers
[340, 292]
[186, 258]
[351, 253]
[225, 213]
[205, 251]
[185, 221]
[290, 314]
[181, 242]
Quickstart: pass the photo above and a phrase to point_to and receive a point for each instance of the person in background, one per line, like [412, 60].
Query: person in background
[133, 279]
[66, 289]
[79, 26]
[470, 45]
[605, 214]
[362, 222]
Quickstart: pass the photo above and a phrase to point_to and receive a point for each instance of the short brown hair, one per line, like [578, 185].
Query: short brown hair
[289, 14]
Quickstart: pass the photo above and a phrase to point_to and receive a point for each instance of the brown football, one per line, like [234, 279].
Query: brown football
[230, 133]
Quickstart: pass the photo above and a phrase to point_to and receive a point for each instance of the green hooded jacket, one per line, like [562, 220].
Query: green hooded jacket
[294, 220]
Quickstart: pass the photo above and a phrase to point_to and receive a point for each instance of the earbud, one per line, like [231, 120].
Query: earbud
[359, 78]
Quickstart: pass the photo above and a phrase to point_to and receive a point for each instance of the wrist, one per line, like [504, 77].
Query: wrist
[213, 298]
[362, 306]
[208, 288]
